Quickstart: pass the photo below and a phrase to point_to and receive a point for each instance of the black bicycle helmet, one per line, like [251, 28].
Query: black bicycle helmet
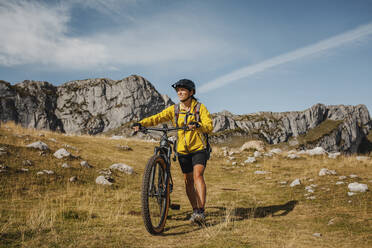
[185, 83]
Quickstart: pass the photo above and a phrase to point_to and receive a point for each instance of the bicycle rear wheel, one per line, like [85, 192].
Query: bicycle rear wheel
[155, 195]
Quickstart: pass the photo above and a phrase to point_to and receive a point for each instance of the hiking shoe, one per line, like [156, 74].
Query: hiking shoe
[193, 216]
[199, 218]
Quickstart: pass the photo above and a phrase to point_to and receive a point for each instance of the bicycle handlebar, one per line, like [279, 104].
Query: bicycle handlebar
[160, 129]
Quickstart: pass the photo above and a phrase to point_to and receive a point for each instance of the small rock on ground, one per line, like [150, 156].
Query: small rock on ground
[73, 179]
[124, 148]
[260, 172]
[295, 183]
[293, 156]
[318, 235]
[351, 193]
[49, 172]
[362, 158]
[27, 163]
[250, 160]
[276, 151]
[257, 154]
[66, 165]
[85, 164]
[334, 155]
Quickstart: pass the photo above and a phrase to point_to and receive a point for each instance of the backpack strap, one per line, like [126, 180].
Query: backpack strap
[208, 147]
[197, 112]
[176, 113]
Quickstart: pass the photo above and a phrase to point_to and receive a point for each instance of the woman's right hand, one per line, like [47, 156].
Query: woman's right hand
[136, 126]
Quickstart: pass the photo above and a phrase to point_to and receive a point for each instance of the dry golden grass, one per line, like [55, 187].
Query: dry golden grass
[243, 209]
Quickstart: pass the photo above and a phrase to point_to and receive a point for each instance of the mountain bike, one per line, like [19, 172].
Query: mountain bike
[157, 183]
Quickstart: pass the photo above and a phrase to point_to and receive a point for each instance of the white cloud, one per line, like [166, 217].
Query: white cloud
[108, 7]
[321, 46]
[37, 33]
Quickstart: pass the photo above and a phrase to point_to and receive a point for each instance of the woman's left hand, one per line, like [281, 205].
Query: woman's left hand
[193, 125]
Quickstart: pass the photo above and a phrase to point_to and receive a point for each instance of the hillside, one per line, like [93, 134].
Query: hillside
[248, 205]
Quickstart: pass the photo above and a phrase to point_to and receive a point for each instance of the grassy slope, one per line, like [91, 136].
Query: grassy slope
[324, 128]
[243, 209]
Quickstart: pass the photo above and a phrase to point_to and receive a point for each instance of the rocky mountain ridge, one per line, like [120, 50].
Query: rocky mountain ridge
[335, 128]
[88, 106]
[99, 105]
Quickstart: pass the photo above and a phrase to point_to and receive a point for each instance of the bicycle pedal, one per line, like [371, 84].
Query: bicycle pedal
[175, 206]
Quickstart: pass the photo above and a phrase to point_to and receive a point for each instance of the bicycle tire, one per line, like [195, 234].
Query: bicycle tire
[155, 195]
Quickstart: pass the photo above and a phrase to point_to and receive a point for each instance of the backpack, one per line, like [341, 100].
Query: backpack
[197, 119]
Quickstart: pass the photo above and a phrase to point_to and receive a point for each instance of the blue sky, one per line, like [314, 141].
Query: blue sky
[245, 56]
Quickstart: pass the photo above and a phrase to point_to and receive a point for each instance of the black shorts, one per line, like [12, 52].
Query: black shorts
[187, 162]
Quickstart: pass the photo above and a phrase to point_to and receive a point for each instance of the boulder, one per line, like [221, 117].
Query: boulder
[325, 171]
[254, 145]
[357, 187]
[62, 153]
[123, 168]
[102, 180]
[39, 145]
[276, 151]
[316, 151]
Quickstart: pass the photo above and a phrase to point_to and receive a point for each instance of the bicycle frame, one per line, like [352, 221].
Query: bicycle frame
[165, 149]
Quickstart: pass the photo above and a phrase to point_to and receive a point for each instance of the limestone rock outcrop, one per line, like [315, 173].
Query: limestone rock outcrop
[30, 103]
[335, 128]
[88, 106]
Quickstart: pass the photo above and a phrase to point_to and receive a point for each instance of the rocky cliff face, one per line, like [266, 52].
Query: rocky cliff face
[86, 106]
[30, 103]
[335, 128]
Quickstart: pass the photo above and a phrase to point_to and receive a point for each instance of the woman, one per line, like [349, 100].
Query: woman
[191, 145]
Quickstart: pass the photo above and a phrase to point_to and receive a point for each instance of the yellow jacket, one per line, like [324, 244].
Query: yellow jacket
[188, 141]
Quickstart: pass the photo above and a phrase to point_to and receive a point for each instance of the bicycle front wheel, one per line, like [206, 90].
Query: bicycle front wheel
[155, 195]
